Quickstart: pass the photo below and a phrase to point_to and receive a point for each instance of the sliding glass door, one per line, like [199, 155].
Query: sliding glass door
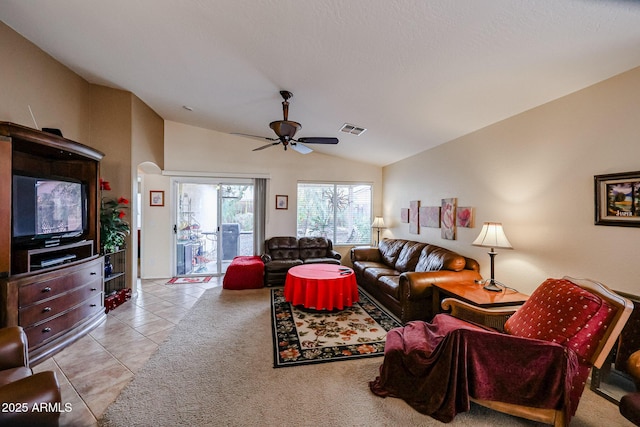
[214, 223]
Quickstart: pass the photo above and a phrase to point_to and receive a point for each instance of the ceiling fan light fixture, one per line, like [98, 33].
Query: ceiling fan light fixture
[285, 128]
[352, 129]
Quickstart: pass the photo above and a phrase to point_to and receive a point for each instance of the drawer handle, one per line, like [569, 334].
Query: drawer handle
[94, 289]
[93, 305]
[46, 309]
[93, 273]
[45, 330]
[47, 289]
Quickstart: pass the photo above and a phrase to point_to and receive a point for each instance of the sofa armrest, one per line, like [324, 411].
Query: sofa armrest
[266, 258]
[333, 254]
[32, 391]
[633, 367]
[416, 285]
[365, 254]
[13, 348]
[491, 317]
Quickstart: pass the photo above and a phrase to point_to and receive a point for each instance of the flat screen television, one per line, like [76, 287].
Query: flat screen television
[48, 210]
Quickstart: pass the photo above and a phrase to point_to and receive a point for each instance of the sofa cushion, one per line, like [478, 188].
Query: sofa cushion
[546, 316]
[390, 285]
[435, 258]
[282, 264]
[363, 265]
[321, 260]
[313, 247]
[390, 249]
[283, 248]
[373, 273]
[409, 255]
[8, 376]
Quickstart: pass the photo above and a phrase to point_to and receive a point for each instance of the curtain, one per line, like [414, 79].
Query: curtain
[259, 214]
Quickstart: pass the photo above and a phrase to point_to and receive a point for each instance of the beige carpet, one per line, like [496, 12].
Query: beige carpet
[216, 369]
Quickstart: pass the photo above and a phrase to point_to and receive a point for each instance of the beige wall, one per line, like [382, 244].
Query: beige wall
[147, 142]
[534, 173]
[188, 148]
[195, 151]
[113, 121]
[129, 133]
[58, 97]
[157, 236]
[147, 134]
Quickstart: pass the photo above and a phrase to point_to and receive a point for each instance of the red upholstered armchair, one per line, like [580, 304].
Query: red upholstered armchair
[536, 368]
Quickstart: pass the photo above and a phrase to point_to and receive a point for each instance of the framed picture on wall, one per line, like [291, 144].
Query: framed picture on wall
[404, 215]
[414, 217]
[282, 202]
[430, 216]
[448, 218]
[617, 199]
[156, 198]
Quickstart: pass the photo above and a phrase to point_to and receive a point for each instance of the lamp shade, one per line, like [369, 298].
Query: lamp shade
[492, 236]
[378, 222]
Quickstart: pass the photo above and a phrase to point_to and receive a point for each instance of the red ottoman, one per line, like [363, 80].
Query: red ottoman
[244, 272]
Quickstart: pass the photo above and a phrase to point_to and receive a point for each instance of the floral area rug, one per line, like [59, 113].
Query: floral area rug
[303, 336]
[183, 280]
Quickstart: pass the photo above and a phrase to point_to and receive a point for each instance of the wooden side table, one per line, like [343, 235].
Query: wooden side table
[473, 293]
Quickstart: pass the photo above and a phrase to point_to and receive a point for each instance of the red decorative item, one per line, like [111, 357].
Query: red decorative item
[244, 272]
[115, 299]
[104, 185]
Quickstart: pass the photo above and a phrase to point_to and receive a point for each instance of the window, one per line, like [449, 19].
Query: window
[340, 212]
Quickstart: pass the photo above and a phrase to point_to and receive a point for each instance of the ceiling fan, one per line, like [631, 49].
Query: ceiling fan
[286, 130]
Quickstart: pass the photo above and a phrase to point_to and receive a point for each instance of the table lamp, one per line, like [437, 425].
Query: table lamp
[492, 236]
[378, 223]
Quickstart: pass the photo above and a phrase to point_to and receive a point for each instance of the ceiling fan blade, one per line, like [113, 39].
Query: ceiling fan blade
[254, 136]
[266, 146]
[318, 140]
[300, 148]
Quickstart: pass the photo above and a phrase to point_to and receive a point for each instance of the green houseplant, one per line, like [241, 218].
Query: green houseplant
[113, 227]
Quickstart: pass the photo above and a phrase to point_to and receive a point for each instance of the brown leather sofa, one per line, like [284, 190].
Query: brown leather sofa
[399, 274]
[282, 253]
[627, 360]
[630, 403]
[20, 389]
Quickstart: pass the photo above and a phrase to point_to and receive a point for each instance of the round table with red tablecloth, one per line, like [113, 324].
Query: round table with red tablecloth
[321, 286]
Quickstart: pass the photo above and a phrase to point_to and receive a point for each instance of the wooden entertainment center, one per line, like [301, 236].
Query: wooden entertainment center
[53, 289]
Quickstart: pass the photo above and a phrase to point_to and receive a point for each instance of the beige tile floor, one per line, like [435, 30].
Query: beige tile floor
[94, 370]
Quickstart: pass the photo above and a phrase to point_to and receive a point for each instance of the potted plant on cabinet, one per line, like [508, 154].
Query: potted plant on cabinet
[113, 227]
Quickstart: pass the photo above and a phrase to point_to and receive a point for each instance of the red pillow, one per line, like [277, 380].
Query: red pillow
[562, 312]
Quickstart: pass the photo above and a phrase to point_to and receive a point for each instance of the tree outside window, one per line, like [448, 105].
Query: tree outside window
[340, 212]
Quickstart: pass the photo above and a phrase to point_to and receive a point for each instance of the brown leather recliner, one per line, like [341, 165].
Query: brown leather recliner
[282, 253]
[26, 398]
[630, 403]
[628, 360]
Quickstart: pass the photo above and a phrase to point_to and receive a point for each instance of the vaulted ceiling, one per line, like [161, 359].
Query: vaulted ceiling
[414, 73]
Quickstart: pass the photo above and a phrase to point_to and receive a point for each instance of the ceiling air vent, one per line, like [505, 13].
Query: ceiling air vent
[352, 129]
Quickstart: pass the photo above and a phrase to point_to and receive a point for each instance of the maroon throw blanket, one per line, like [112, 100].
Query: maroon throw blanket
[435, 367]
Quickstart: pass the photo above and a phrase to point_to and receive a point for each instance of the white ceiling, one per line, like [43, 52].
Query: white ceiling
[415, 73]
